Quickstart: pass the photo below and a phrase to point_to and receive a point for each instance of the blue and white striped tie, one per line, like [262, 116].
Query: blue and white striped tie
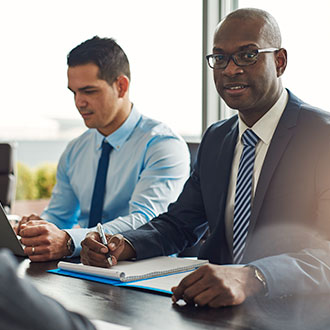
[243, 195]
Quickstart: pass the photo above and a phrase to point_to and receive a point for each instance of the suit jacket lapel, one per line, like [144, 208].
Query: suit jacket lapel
[225, 161]
[279, 142]
[221, 254]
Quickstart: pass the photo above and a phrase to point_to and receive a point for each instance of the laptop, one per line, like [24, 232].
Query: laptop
[8, 237]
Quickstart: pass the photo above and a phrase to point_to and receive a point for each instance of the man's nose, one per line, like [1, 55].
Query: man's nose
[232, 68]
[80, 101]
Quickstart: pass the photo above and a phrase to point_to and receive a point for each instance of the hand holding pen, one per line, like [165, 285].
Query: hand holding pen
[100, 230]
[113, 247]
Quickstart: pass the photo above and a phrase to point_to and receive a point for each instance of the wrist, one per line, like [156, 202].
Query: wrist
[258, 284]
[129, 251]
[69, 245]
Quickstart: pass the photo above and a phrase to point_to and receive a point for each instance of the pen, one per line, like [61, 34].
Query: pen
[104, 241]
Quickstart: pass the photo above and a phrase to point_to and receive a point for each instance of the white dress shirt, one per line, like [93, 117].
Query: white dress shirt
[264, 128]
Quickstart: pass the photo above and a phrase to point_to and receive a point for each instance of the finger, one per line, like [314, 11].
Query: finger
[179, 291]
[32, 231]
[90, 257]
[20, 223]
[34, 216]
[214, 299]
[36, 223]
[197, 288]
[84, 260]
[24, 219]
[35, 240]
[205, 297]
[29, 251]
[91, 242]
[94, 235]
[186, 299]
[93, 251]
[114, 260]
[115, 241]
[34, 250]
[192, 277]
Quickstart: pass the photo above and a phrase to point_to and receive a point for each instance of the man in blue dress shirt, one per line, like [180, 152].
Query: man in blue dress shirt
[148, 162]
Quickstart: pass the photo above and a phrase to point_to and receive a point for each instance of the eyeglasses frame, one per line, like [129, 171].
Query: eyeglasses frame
[231, 57]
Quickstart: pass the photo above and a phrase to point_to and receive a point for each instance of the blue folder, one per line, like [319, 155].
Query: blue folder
[136, 284]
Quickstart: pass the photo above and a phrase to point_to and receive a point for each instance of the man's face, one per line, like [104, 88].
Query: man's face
[97, 101]
[249, 89]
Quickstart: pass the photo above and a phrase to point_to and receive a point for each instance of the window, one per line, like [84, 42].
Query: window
[304, 29]
[162, 39]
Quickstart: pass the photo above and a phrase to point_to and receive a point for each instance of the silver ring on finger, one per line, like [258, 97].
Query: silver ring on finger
[33, 250]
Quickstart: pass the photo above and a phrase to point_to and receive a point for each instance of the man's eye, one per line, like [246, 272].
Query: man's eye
[90, 91]
[248, 55]
[219, 57]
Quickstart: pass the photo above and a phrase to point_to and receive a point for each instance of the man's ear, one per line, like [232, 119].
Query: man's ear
[122, 84]
[281, 58]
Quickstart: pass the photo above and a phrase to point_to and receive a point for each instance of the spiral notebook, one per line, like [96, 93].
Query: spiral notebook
[127, 271]
[153, 274]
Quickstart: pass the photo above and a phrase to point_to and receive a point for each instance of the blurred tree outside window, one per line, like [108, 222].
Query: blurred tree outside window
[35, 183]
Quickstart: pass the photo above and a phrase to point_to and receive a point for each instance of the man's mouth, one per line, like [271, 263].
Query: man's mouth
[235, 87]
[86, 114]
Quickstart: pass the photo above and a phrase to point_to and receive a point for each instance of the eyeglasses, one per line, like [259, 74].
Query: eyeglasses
[242, 58]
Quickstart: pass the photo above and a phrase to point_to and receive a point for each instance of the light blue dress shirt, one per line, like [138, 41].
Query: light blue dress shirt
[148, 167]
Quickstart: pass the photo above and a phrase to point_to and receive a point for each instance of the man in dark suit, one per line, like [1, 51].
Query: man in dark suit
[23, 307]
[261, 183]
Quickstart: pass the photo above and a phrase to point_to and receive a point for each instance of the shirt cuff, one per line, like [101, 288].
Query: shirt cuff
[77, 235]
[131, 245]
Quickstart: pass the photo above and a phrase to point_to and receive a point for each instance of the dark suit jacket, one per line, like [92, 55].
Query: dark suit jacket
[22, 307]
[290, 220]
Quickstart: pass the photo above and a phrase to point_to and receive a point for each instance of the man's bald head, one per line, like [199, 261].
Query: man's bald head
[271, 31]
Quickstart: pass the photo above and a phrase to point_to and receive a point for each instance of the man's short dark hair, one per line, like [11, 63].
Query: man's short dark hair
[103, 52]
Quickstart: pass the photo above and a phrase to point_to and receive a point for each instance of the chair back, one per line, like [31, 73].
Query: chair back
[7, 175]
[193, 148]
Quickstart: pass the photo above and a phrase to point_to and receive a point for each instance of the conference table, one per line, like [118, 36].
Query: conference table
[144, 310]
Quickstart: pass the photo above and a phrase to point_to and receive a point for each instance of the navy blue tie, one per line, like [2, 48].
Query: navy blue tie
[243, 194]
[95, 214]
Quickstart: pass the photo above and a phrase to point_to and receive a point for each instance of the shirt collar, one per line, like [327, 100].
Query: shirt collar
[266, 125]
[119, 137]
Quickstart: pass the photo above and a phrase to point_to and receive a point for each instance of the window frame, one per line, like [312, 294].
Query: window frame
[213, 107]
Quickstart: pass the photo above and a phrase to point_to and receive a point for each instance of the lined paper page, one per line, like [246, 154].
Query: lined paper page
[135, 270]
